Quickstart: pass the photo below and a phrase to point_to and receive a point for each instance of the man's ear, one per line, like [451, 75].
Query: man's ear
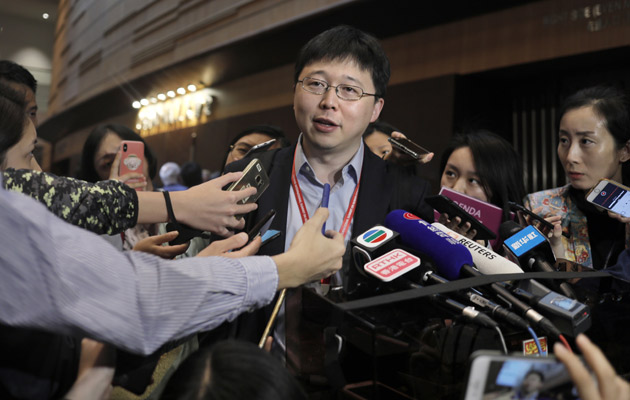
[378, 107]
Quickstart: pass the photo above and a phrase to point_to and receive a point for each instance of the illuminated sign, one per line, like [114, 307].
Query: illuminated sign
[179, 112]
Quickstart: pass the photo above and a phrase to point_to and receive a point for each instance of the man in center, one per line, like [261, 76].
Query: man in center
[340, 82]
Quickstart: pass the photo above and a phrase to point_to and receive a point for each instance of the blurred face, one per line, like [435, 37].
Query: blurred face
[244, 144]
[331, 125]
[532, 383]
[29, 98]
[461, 175]
[105, 154]
[378, 143]
[587, 150]
[20, 156]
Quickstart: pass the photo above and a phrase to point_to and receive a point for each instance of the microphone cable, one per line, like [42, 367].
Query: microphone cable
[531, 332]
[565, 342]
[505, 350]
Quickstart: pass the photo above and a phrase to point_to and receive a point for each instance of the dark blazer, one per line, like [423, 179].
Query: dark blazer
[384, 187]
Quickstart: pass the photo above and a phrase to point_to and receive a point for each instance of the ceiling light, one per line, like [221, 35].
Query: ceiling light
[136, 104]
[181, 90]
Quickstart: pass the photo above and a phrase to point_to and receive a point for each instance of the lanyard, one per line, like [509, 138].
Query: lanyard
[347, 219]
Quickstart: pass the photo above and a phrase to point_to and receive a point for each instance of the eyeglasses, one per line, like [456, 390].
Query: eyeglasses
[344, 92]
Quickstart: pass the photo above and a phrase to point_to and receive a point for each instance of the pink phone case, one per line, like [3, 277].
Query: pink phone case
[132, 158]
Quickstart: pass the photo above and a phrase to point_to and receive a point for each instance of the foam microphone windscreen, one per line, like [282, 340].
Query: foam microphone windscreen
[447, 254]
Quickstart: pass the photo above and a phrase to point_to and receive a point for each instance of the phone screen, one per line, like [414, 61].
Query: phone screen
[613, 198]
[519, 377]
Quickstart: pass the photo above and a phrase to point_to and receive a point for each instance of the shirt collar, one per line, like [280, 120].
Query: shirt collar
[352, 169]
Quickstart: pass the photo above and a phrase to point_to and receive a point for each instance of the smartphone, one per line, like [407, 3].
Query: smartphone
[261, 226]
[443, 205]
[253, 175]
[408, 147]
[132, 159]
[495, 375]
[548, 225]
[260, 147]
[610, 195]
[270, 235]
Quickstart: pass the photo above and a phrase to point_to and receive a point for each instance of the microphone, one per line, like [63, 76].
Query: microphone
[532, 249]
[372, 244]
[467, 312]
[568, 315]
[475, 297]
[398, 262]
[447, 253]
[452, 258]
[487, 261]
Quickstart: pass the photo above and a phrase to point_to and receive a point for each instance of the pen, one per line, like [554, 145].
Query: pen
[325, 197]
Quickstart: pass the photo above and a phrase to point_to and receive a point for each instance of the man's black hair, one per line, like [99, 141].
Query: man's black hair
[347, 43]
[13, 72]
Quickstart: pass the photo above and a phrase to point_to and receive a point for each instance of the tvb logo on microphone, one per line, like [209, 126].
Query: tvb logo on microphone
[375, 237]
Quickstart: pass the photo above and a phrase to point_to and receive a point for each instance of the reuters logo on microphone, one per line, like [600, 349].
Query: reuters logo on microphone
[410, 216]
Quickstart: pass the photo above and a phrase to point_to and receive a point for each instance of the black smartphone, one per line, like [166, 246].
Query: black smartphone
[548, 225]
[261, 226]
[445, 205]
[260, 147]
[253, 175]
[408, 147]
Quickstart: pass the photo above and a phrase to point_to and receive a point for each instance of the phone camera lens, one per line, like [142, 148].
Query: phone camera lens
[125, 147]
[258, 179]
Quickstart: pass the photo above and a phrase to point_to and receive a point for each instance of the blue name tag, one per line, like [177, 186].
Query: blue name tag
[524, 241]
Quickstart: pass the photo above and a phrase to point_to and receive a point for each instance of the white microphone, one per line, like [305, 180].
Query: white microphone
[487, 261]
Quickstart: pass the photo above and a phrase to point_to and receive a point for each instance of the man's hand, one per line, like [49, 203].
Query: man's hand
[209, 208]
[225, 247]
[153, 245]
[311, 256]
[609, 385]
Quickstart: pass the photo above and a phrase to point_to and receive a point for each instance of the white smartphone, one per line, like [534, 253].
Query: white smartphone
[493, 375]
[612, 196]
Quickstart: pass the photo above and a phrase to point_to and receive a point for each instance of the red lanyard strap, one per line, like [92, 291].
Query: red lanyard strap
[347, 219]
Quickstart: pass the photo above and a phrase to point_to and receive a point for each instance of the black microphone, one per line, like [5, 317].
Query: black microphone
[452, 259]
[475, 297]
[390, 267]
[532, 249]
[372, 244]
[467, 312]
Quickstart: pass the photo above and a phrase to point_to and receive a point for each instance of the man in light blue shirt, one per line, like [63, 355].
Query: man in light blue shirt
[340, 82]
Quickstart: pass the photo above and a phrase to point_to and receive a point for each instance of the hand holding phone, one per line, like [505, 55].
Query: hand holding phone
[407, 149]
[529, 217]
[132, 161]
[496, 375]
[612, 196]
[253, 175]
[443, 205]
